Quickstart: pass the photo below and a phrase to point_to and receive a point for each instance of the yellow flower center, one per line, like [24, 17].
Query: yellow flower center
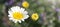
[17, 15]
[34, 16]
[25, 4]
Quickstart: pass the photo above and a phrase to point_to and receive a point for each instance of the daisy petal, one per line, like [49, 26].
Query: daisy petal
[22, 19]
[25, 12]
[16, 8]
[15, 21]
[26, 16]
[9, 12]
[19, 21]
[22, 9]
[10, 18]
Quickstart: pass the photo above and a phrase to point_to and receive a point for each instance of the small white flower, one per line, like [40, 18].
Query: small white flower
[17, 14]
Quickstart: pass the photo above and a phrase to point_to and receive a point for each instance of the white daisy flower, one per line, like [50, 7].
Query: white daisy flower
[17, 14]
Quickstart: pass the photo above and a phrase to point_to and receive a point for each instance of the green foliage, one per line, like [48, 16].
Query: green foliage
[49, 19]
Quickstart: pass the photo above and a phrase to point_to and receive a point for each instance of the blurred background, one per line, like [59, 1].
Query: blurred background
[48, 10]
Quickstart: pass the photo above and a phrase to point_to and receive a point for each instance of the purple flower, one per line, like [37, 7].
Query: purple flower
[19, 4]
[23, 0]
[57, 9]
[42, 15]
[9, 2]
[58, 18]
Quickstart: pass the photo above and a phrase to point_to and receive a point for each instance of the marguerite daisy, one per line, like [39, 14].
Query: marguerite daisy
[17, 14]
